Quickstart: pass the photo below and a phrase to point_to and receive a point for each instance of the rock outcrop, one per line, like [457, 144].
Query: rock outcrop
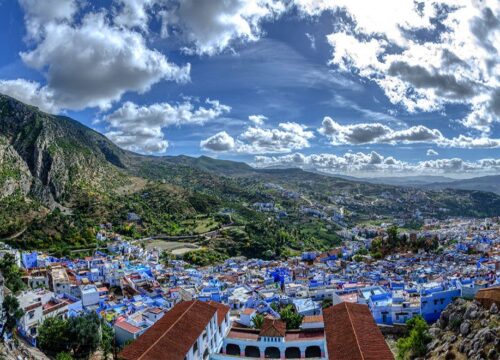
[466, 330]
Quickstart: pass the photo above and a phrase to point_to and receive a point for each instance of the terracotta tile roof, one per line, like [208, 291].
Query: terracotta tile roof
[32, 306]
[248, 311]
[155, 310]
[351, 334]
[273, 328]
[172, 336]
[128, 327]
[222, 310]
[312, 319]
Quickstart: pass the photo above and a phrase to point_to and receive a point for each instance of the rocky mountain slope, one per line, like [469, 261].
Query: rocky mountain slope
[466, 330]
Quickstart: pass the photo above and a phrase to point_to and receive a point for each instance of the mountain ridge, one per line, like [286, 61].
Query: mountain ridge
[59, 180]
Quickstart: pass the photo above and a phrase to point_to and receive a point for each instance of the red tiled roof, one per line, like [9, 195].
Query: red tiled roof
[312, 319]
[32, 306]
[155, 310]
[171, 337]
[222, 310]
[351, 334]
[248, 311]
[128, 327]
[273, 328]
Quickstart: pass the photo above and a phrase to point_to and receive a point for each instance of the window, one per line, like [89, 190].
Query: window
[31, 314]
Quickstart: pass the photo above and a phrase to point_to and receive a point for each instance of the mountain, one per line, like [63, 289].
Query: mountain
[484, 183]
[60, 180]
[401, 180]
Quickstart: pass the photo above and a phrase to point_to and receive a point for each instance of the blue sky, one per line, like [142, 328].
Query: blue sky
[336, 86]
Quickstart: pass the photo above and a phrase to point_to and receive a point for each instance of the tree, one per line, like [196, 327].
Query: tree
[392, 234]
[53, 336]
[78, 336]
[326, 303]
[64, 356]
[257, 321]
[11, 313]
[290, 317]
[107, 339]
[11, 273]
[415, 344]
[85, 334]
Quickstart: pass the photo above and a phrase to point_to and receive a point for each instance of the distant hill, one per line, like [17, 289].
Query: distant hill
[401, 180]
[484, 183]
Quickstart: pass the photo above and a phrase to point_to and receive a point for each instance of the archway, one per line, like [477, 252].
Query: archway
[233, 349]
[313, 352]
[252, 351]
[292, 353]
[272, 353]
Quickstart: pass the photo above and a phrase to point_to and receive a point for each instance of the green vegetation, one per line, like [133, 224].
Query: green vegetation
[290, 316]
[400, 243]
[12, 273]
[258, 321]
[77, 336]
[203, 257]
[83, 180]
[415, 344]
[10, 315]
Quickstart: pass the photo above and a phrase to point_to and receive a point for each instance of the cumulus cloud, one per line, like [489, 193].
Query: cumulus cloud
[367, 133]
[221, 141]
[133, 13]
[285, 138]
[95, 63]
[371, 163]
[423, 55]
[89, 59]
[38, 14]
[139, 128]
[432, 152]
[30, 92]
[211, 26]
[257, 119]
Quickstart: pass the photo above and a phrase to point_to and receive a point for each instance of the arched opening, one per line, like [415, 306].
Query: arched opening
[206, 354]
[313, 352]
[292, 353]
[252, 351]
[272, 353]
[233, 349]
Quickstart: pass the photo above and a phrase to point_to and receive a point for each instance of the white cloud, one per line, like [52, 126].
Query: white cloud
[312, 40]
[90, 59]
[133, 13]
[221, 141]
[257, 119]
[432, 152]
[212, 26]
[139, 128]
[368, 133]
[373, 163]
[95, 63]
[38, 14]
[452, 60]
[285, 138]
[29, 92]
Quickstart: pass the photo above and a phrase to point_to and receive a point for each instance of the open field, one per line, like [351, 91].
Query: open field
[175, 247]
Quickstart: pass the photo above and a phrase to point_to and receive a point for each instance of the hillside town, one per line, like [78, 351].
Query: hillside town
[251, 308]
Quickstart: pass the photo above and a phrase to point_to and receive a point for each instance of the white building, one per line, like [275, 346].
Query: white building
[192, 330]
